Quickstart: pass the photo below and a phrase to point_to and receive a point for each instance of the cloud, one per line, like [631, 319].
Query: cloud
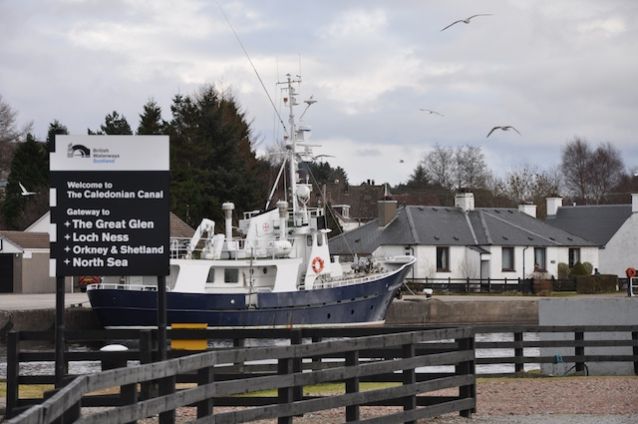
[358, 23]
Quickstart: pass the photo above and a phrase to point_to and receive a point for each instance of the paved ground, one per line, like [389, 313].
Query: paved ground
[21, 302]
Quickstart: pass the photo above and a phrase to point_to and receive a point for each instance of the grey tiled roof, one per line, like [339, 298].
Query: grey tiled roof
[448, 226]
[596, 223]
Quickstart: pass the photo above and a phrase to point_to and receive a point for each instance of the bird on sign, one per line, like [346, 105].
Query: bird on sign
[466, 20]
[24, 192]
[502, 128]
[431, 112]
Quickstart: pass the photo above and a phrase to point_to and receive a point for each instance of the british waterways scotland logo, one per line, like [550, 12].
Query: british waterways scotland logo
[78, 151]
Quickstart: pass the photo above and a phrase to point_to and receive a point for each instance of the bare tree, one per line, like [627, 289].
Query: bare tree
[471, 170]
[9, 135]
[575, 164]
[589, 175]
[518, 184]
[463, 167]
[606, 171]
[439, 166]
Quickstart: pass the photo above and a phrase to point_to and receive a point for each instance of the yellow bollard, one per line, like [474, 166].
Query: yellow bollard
[189, 344]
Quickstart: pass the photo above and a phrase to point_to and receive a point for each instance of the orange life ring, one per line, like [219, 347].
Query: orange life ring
[317, 264]
[630, 272]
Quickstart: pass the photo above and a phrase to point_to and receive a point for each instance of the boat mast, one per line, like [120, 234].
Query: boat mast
[292, 146]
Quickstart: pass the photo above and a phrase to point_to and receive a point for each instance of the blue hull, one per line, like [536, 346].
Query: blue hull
[354, 304]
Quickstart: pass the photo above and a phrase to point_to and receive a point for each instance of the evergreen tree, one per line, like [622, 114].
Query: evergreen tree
[151, 122]
[419, 178]
[55, 128]
[212, 158]
[114, 124]
[29, 167]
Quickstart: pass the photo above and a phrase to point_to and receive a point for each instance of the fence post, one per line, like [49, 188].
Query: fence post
[489, 285]
[467, 284]
[518, 353]
[205, 376]
[284, 394]
[467, 368]
[634, 337]
[352, 386]
[505, 285]
[167, 387]
[579, 336]
[148, 389]
[409, 377]
[13, 368]
[239, 343]
[297, 364]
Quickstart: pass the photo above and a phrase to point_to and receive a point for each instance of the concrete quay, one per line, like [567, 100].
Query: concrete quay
[37, 311]
[464, 310]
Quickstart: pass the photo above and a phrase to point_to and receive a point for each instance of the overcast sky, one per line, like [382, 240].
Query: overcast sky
[554, 69]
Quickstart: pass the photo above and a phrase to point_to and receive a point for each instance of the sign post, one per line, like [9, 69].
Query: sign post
[110, 212]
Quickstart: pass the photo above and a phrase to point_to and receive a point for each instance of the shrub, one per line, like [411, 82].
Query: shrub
[588, 267]
[563, 270]
[578, 270]
[596, 284]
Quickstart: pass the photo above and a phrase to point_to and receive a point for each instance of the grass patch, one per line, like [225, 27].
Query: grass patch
[324, 389]
[27, 391]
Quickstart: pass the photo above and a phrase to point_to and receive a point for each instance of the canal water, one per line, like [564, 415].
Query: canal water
[85, 367]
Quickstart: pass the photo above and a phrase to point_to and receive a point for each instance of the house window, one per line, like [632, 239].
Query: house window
[574, 256]
[443, 259]
[540, 259]
[507, 260]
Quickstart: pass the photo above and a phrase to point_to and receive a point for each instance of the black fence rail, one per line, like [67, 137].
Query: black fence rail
[495, 285]
[395, 360]
[471, 285]
[518, 345]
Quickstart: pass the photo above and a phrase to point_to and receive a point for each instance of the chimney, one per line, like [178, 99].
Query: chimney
[553, 203]
[528, 208]
[465, 201]
[387, 210]
[634, 202]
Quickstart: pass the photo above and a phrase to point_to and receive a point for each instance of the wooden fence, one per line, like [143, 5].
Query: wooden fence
[403, 363]
[389, 358]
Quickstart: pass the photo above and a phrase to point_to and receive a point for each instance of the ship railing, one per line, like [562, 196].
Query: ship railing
[122, 286]
[330, 283]
[179, 247]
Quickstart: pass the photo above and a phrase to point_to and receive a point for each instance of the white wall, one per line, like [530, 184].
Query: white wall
[465, 262]
[621, 251]
[593, 311]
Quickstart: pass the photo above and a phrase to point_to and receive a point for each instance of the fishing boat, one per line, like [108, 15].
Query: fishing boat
[276, 272]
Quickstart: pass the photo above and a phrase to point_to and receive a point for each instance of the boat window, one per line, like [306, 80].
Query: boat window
[211, 275]
[231, 275]
[309, 241]
[320, 239]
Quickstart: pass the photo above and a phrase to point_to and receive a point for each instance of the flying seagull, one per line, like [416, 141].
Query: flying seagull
[431, 112]
[24, 191]
[503, 128]
[466, 20]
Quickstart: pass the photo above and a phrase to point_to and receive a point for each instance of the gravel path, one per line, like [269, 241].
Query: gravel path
[565, 400]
